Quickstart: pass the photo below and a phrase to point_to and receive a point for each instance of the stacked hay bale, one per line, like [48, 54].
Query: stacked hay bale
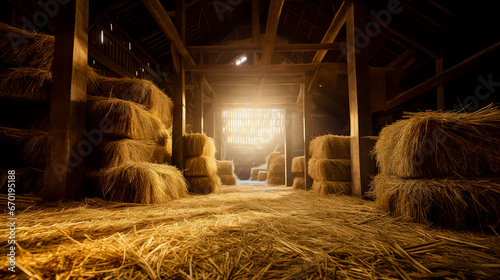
[262, 176]
[441, 168]
[26, 83]
[225, 171]
[200, 164]
[275, 169]
[298, 170]
[330, 164]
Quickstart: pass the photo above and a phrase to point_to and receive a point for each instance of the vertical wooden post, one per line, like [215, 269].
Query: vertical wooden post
[440, 88]
[198, 108]
[288, 145]
[64, 171]
[307, 106]
[208, 122]
[359, 98]
[218, 134]
[179, 120]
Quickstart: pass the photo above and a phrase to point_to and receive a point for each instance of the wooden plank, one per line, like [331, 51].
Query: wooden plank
[362, 167]
[108, 63]
[405, 60]
[273, 20]
[278, 69]
[307, 121]
[332, 32]
[457, 70]
[258, 48]
[198, 108]
[440, 88]
[179, 120]
[288, 145]
[67, 148]
[167, 26]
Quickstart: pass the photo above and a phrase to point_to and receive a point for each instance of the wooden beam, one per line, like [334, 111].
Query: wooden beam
[179, 120]
[167, 26]
[405, 60]
[362, 167]
[440, 88]
[107, 62]
[67, 148]
[255, 27]
[277, 69]
[334, 29]
[197, 126]
[307, 121]
[288, 145]
[457, 70]
[258, 48]
[273, 20]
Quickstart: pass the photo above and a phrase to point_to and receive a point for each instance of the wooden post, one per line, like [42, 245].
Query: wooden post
[208, 122]
[218, 134]
[359, 99]
[64, 171]
[440, 88]
[307, 106]
[288, 145]
[198, 108]
[179, 121]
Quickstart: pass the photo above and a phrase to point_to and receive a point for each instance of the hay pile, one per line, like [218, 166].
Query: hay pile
[225, 171]
[247, 232]
[25, 84]
[330, 164]
[441, 168]
[276, 166]
[200, 164]
[298, 170]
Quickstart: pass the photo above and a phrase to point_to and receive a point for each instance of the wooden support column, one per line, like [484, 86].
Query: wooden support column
[198, 108]
[67, 148]
[179, 121]
[218, 134]
[307, 108]
[440, 88]
[208, 121]
[359, 99]
[288, 145]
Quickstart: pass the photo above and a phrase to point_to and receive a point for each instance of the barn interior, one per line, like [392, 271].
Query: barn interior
[249, 139]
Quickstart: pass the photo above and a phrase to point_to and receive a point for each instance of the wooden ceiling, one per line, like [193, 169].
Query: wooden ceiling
[411, 41]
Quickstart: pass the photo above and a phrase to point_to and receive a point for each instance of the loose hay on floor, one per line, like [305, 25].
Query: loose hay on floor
[437, 144]
[330, 146]
[25, 84]
[331, 187]
[249, 232]
[228, 179]
[140, 91]
[453, 203]
[200, 166]
[330, 169]
[298, 164]
[225, 167]
[204, 185]
[198, 145]
[117, 118]
[140, 182]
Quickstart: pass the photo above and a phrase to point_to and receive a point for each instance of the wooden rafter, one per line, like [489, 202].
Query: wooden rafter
[334, 29]
[257, 48]
[271, 30]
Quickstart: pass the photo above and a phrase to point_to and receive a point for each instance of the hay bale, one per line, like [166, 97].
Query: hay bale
[140, 182]
[254, 173]
[228, 179]
[331, 187]
[270, 158]
[28, 180]
[23, 147]
[204, 185]
[113, 153]
[262, 176]
[299, 164]
[140, 91]
[200, 166]
[330, 169]
[437, 144]
[199, 145]
[330, 146]
[274, 178]
[225, 167]
[29, 50]
[299, 184]
[276, 168]
[449, 202]
[25, 84]
[116, 118]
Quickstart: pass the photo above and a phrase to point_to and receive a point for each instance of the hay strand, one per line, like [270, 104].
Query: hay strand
[331, 187]
[200, 166]
[204, 185]
[449, 202]
[198, 145]
[330, 147]
[437, 144]
[140, 182]
[299, 164]
[330, 169]
[25, 84]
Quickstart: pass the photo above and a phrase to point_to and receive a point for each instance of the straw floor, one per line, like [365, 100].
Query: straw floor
[245, 232]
